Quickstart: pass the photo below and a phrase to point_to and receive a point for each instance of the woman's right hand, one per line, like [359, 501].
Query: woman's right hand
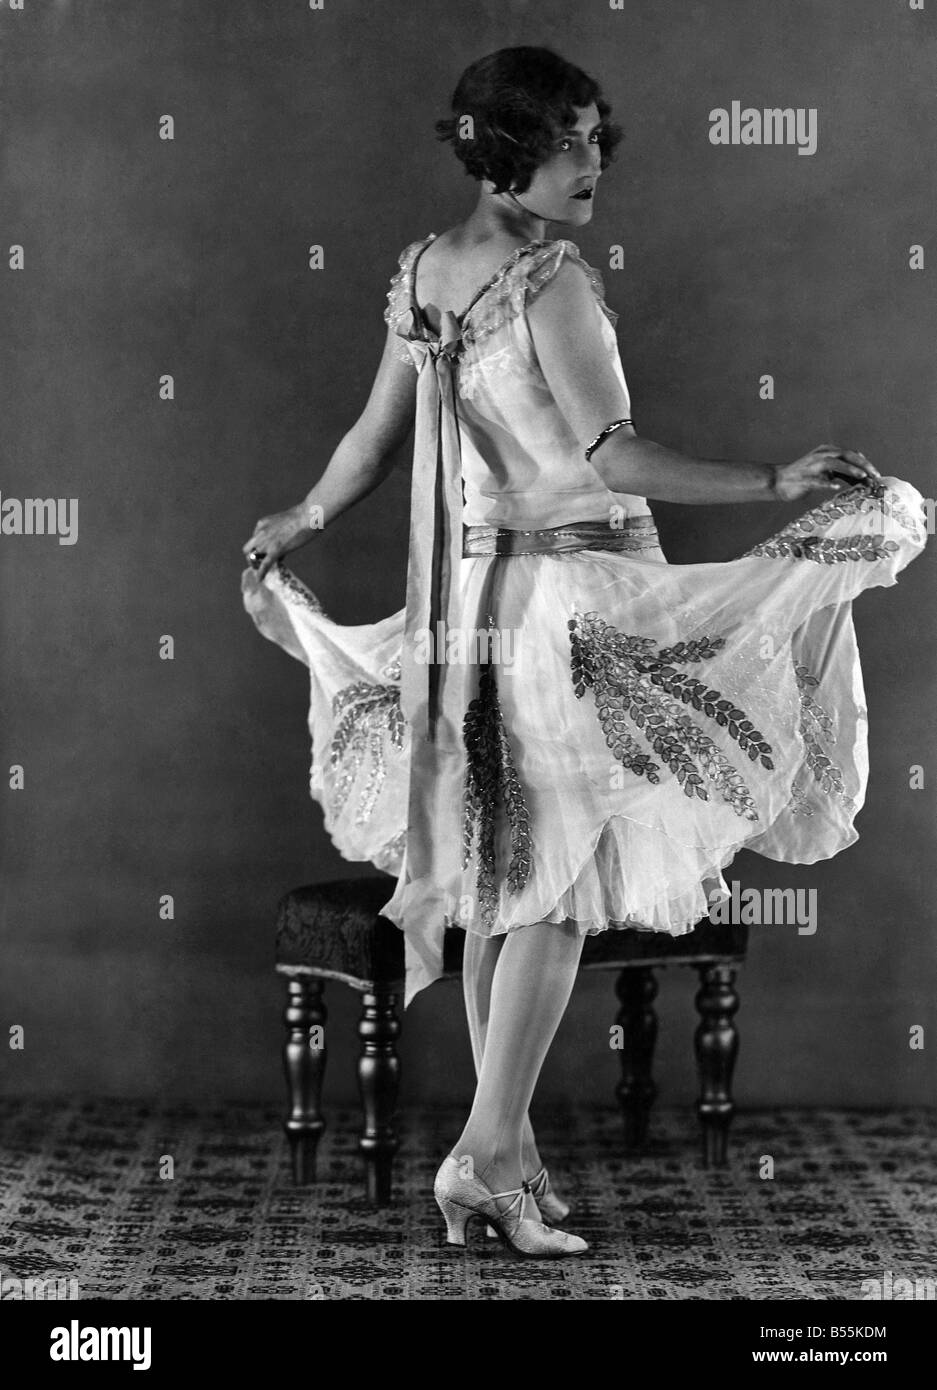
[811, 473]
[276, 535]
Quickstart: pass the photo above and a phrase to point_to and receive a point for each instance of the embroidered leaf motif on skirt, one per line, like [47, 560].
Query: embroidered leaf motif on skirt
[295, 591]
[370, 714]
[826, 550]
[491, 783]
[816, 728]
[800, 538]
[634, 680]
[799, 804]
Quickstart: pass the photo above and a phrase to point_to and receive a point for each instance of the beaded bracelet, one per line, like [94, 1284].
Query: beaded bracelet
[609, 429]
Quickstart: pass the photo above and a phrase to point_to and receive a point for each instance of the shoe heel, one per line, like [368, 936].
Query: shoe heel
[456, 1219]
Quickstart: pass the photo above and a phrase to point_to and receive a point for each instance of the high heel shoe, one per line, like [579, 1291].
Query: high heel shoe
[548, 1204]
[460, 1199]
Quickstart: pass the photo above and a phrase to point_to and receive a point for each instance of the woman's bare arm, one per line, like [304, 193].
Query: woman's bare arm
[577, 368]
[364, 457]
[361, 462]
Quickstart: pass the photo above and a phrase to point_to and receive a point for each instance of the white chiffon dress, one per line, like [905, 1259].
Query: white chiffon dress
[633, 724]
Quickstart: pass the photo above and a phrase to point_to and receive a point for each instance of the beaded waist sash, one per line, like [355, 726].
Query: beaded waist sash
[636, 533]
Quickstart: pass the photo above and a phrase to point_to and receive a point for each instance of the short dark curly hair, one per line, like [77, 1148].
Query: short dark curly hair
[518, 99]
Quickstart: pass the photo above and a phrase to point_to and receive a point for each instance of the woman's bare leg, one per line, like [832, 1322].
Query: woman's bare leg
[531, 984]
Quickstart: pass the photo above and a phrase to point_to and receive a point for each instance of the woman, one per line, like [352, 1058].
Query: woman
[563, 734]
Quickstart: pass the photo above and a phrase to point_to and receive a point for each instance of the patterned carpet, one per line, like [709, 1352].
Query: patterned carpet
[854, 1194]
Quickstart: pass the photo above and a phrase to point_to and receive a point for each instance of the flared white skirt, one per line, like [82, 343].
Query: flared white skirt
[634, 726]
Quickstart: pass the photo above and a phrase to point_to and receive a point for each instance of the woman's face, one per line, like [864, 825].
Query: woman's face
[572, 169]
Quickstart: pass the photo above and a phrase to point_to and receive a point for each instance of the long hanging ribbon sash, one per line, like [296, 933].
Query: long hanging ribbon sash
[435, 528]
[437, 757]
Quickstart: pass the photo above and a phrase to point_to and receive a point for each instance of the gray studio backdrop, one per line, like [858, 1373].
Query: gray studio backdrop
[188, 777]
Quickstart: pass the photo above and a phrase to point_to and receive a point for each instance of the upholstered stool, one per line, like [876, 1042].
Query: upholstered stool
[334, 931]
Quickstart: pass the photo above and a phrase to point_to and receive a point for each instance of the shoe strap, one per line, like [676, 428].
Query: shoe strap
[539, 1183]
[514, 1193]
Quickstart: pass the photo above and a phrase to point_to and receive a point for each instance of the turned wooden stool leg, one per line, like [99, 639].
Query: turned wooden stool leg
[717, 1045]
[378, 1080]
[636, 989]
[304, 1057]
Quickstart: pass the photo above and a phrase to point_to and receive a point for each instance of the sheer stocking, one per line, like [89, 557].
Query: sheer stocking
[478, 967]
[527, 977]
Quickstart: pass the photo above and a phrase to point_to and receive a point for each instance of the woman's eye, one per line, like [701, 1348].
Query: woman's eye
[566, 143]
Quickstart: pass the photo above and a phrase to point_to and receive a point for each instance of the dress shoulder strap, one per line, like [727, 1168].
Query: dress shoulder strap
[398, 295]
[526, 279]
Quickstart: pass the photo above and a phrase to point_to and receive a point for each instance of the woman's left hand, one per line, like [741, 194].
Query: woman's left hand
[277, 535]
